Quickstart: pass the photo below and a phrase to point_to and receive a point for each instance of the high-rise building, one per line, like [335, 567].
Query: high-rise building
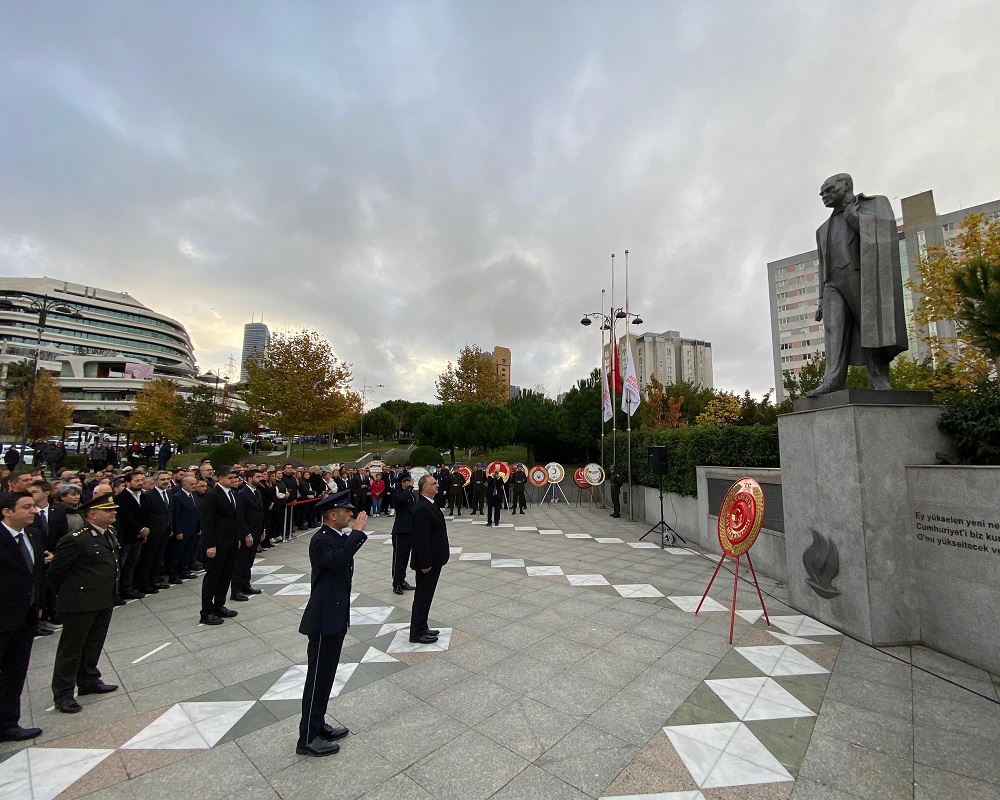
[793, 286]
[669, 357]
[255, 340]
[501, 357]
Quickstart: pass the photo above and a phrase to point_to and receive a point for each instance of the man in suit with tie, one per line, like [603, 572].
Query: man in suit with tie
[186, 527]
[430, 552]
[327, 617]
[132, 532]
[403, 502]
[158, 517]
[48, 619]
[250, 529]
[220, 539]
[84, 576]
[21, 559]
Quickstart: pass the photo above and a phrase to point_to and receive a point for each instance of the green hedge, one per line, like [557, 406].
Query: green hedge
[232, 452]
[696, 446]
[424, 456]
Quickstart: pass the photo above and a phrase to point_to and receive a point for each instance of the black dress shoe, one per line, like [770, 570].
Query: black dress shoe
[424, 638]
[161, 586]
[149, 590]
[68, 705]
[433, 632]
[211, 619]
[239, 597]
[188, 576]
[40, 631]
[19, 734]
[397, 589]
[332, 734]
[225, 612]
[317, 747]
[176, 581]
[98, 688]
[251, 590]
[119, 601]
[407, 586]
[132, 594]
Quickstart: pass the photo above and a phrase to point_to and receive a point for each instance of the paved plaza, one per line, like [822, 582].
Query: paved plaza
[570, 665]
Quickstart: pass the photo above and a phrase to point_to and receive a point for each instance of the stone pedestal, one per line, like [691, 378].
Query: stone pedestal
[842, 468]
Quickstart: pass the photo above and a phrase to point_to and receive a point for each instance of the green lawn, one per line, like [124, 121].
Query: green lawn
[338, 455]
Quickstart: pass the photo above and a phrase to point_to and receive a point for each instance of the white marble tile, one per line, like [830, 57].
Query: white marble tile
[370, 615]
[780, 660]
[533, 571]
[525, 528]
[679, 551]
[750, 616]
[268, 580]
[41, 773]
[189, 726]
[787, 639]
[758, 698]
[609, 540]
[461, 519]
[299, 589]
[392, 627]
[725, 754]
[579, 536]
[800, 625]
[550, 532]
[690, 602]
[388, 542]
[644, 545]
[692, 795]
[401, 643]
[355, 596]
[478, 522]
[260, 569]
[379, 537]
[288, 686]
[507, 562]
[454, 550]
[505, 525]
[377, 657]
[637, 590]
[475, 557]
[588, 580]
[344, 673]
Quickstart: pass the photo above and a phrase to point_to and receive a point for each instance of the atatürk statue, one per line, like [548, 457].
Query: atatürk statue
[860, 286]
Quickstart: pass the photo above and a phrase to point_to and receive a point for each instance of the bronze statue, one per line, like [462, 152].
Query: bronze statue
[860, 285]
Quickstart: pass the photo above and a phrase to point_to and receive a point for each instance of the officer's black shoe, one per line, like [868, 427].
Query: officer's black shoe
[40, 631]
[407, 586]
[188, 576]
[211, 619]
[397, 589]
[19, 734]
[239, 597]
[68, 705]
[424, 638]
[225, 612]
[98, 688]
[332, 734]
[161, 585]
[119, 601]
[616, 516]
[317, 747]
[433, 632]
[176, 581]
[132, 594]
[251, 590]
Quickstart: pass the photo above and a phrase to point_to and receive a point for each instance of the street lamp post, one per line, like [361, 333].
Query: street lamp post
[43, 306]
[365, 388]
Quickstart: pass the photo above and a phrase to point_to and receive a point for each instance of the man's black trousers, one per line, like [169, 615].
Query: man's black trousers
[422, 599]
[323, 654]
[80, 642]
[218, 577]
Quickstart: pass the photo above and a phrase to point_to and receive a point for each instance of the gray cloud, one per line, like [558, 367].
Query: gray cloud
[406, 178]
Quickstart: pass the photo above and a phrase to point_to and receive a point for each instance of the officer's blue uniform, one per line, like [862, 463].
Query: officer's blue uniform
[327, 616]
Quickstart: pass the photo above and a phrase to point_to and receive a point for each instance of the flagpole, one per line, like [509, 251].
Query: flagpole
[613, 378]
[628, 344]
[603, 318]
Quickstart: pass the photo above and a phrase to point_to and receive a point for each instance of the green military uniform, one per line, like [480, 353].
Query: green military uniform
[518, 483]
[478, 490]
[455, 492]
[84, 575]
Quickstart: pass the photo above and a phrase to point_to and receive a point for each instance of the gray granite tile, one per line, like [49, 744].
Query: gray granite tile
[559, 650]
[930, 783]
[572, 693]
[398, 787]
[858, 770]
[212, 774]
[608, 668]
[527, 727]
[343, 776]
[587, 758]
[445, 773]
[520, 672]
[967, 754]
[370, 705]
[473, 700]
[410, 736]
[430, 677]
[880, 732]
[535, 784]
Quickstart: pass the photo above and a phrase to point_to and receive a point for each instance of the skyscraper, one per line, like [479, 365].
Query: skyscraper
[255, 339]
[669, 357]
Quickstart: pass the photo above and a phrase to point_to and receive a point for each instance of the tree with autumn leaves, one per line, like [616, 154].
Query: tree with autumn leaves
[49, 412]
[299, 387]
[472, 379]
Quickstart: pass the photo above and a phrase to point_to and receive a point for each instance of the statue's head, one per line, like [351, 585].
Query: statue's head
[836, 190]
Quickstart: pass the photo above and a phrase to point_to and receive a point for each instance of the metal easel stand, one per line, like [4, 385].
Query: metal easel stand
[661, 527]
[553, 488]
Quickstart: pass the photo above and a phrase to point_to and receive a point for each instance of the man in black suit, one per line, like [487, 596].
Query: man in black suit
[250, 529]
[186, 527]
[221, 542]
[84, 576]
[21, 559]
[132, 532]
[494, 498]
[403, 502]
[430, 552]
[158, 517]
[327, 617]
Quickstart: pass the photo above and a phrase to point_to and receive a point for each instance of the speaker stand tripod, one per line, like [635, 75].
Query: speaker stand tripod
[661, 527]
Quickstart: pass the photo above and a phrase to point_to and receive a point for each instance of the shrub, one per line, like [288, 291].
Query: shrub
[973, 421]
[697, 446]
[424, 456]
[73, 461]
[232, 452]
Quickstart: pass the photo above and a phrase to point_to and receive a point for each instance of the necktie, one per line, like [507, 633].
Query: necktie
[43, 522]
[166, 500]
[29, 557]
[232, 498]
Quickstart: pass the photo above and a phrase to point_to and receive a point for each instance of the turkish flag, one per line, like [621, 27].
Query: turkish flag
[616, 373]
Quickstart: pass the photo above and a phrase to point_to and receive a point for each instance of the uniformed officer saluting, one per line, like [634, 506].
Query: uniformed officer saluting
[84, 576]
[327, 618]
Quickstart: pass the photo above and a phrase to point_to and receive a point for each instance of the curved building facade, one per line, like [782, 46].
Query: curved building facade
[102, 357]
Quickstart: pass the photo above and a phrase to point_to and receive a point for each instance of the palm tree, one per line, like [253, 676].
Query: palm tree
[978, 281]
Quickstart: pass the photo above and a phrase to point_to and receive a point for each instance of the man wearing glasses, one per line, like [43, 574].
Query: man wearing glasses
[430, 552]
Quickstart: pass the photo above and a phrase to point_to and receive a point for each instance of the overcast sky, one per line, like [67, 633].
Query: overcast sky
[407, 178]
